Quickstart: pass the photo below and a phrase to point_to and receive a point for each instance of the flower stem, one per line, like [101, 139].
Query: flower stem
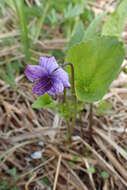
[74, 99]
[64, 98]
[91, 124]
[81, 125]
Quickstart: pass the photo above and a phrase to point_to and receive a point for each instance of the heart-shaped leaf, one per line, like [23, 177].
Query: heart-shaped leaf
[97, 63]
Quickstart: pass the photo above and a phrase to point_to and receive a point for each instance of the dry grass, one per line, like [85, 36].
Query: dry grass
[25, 131]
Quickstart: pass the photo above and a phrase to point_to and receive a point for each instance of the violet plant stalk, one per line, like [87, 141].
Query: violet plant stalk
[74, 99]
[91, 124]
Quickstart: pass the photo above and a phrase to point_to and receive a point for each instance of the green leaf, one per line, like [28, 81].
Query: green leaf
[53, 17]
[105, 175]
[115, 23]
[10, 3]
[73, 11]
[44, 101]
[34, 11]
[58, 5]
[78, 34]
[87, 15]
[13, 173]
[97, 63]
[4, 185]
[45, 181]
[94, 28]
[75, 158]
[91, 170]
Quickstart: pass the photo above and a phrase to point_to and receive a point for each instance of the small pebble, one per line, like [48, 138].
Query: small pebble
[36, 155]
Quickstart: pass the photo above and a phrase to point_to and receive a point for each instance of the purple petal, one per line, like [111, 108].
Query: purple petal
[49, 63]
[52, 92]
[57, 88]
[63, 76]
[34, 72]
[42, 86]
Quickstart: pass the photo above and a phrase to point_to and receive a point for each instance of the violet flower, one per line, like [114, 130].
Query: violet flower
[48, 77]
